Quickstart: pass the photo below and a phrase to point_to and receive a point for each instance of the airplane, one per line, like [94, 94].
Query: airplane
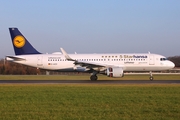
[112, 65]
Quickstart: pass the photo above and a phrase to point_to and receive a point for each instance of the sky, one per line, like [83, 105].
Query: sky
[93, 26]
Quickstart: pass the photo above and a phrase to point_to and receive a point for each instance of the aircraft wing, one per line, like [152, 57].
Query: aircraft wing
[15, 58]
[89, 64]
[85, 63]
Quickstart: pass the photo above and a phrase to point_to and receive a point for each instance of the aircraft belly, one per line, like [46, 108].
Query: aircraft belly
[145, 68]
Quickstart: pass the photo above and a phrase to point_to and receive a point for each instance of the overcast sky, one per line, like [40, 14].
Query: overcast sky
[93, 26]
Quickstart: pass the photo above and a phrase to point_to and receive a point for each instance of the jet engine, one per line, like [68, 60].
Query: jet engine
[114, 72]
[79, 68]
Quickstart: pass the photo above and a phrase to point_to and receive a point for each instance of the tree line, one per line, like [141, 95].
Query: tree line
[8, 68]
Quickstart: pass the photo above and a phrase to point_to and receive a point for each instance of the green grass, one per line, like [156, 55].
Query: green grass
[87, 77]
[90, 102]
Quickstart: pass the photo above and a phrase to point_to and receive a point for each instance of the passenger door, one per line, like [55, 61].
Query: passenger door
[151, 59]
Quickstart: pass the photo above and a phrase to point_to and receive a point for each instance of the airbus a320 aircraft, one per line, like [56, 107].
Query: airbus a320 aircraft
[112, 65]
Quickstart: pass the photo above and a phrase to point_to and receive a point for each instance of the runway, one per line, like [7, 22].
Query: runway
[89, 82]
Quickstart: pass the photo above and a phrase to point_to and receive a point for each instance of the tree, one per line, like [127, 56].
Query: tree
[17, 69]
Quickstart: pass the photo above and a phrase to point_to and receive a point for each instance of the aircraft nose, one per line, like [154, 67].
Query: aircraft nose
[171, 64]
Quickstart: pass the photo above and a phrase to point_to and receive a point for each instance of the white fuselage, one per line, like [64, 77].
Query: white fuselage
[128, 62]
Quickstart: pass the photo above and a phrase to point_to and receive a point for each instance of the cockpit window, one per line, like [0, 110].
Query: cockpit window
[163, 59]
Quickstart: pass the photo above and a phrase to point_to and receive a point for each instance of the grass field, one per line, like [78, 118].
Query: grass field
[87, 77]
[90, 102]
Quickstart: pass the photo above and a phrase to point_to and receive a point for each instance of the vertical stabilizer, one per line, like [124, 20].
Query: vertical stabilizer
[21, 44]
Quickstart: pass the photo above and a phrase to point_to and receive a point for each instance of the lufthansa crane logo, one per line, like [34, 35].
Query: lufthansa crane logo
[19, 41]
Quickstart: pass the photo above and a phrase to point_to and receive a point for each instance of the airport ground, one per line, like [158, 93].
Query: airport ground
[82, 101]
[90, 101]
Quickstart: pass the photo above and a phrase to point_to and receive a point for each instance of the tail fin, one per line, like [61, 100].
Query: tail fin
[20, 43]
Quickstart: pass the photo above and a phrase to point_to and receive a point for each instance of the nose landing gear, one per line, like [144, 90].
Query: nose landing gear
[151, 76]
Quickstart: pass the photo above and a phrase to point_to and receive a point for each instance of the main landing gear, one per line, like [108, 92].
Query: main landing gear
[94, 76]
[151, 76]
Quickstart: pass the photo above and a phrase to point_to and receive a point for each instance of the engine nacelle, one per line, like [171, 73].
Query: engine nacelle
[79, 68]
[115, 72]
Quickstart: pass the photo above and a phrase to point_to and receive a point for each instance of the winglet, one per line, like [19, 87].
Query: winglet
[66, 55]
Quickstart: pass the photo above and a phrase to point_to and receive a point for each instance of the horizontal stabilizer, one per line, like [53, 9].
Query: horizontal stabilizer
[15, 58]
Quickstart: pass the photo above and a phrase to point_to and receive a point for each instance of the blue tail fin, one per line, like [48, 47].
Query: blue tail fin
[20, 43]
